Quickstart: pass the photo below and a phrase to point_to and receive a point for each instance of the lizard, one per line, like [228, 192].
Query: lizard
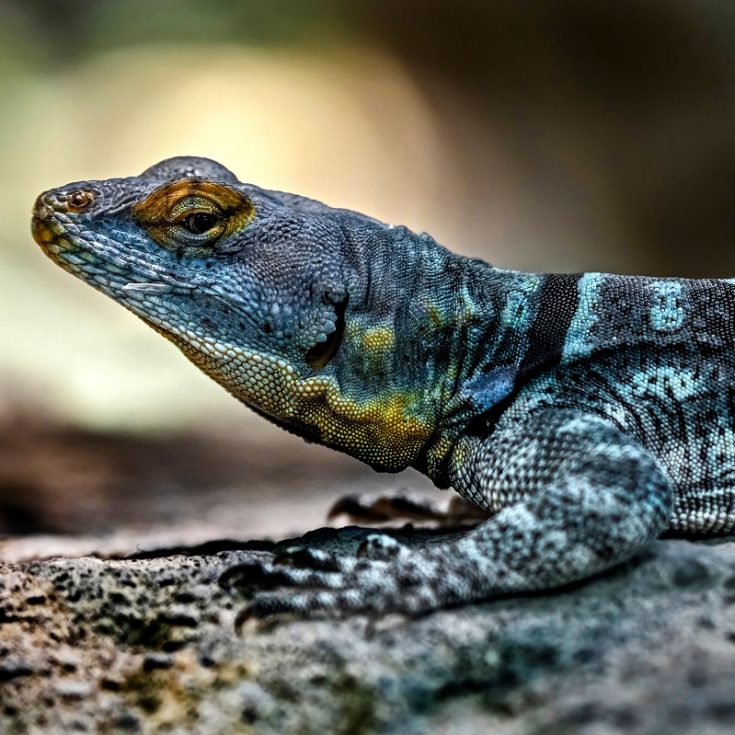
[587, 413]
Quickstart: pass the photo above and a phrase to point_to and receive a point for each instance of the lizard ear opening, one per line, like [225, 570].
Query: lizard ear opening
[322, 353]
[189, 216]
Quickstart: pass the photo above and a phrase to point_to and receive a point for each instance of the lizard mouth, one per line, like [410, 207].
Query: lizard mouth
[322, 353]
[45, 233]
[53, 240]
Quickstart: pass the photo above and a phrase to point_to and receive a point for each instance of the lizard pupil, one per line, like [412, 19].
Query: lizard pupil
[79, 200]
[200, 223]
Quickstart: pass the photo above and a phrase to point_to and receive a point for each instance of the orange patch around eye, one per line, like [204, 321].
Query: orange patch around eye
[155, 211]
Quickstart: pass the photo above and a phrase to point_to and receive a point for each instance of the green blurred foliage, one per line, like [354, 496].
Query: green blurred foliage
[53, 32]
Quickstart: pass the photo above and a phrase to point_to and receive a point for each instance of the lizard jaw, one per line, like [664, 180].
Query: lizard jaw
[49, 237]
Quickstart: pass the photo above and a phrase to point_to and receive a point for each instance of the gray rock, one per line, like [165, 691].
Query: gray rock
[147, 645]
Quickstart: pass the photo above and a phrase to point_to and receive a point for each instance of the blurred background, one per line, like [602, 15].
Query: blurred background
[560, 136]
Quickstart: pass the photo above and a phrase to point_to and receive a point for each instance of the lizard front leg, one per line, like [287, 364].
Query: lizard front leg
[574, 495]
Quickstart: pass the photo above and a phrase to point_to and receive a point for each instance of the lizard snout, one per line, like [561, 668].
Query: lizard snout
[42, 209]
[41, 222]
[46, 229]
[63, 201]
[45, 225]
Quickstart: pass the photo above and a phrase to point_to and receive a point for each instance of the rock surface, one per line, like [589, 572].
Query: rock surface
[146, 644]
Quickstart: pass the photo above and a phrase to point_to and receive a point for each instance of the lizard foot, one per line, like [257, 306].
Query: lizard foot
[406, 505]
[304, 581]
[372, 587]
[300, 566]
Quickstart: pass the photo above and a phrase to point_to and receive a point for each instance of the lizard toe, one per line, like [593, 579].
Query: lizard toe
[375, 587]
[338, 603]
[270, 605]
[253, 575]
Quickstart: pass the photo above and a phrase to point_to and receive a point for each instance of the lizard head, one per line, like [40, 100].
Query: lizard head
[266, 292]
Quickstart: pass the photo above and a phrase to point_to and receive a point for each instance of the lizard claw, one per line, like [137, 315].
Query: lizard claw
[269, 605]
[266, 606]
[245, 577]
[375, 601]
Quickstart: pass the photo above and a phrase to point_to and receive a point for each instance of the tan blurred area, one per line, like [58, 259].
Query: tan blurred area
[345, 129]
[559, 136]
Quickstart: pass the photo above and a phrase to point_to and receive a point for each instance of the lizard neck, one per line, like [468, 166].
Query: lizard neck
[432, 341]
[486, 348]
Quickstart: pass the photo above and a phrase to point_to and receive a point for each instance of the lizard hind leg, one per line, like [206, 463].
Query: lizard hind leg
[573, 496]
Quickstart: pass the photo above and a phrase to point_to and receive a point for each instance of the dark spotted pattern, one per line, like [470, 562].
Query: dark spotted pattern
[589, 412]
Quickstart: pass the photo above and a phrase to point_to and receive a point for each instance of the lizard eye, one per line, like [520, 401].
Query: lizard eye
[79, 200]
[200, 222]
[189, 217]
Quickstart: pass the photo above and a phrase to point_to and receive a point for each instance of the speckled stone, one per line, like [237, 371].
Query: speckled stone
[147, 645]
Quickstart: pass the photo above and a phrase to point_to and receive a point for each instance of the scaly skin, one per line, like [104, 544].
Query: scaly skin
[587, 412]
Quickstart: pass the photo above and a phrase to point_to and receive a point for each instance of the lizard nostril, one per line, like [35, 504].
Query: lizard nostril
[79, 200]
[42, 207]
